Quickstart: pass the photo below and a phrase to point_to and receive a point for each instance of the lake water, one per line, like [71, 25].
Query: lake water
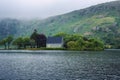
[59, 65]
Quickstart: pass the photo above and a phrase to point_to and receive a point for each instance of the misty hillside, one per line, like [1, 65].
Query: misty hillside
[101, 21]
[81, 21]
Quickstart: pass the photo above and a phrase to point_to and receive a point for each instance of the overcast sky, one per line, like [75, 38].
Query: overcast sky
[42, 8]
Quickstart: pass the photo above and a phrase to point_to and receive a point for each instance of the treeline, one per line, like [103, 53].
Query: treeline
[19, 42]
[6, 42]
[36, 40]
[78, 42]
[71, 42]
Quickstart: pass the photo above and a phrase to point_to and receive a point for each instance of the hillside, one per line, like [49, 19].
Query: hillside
[82, 21]
[101, 21]
[8, 27]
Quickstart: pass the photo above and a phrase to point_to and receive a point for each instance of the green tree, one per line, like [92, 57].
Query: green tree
[67, 37]
[18, 42]
[61, 34]
[40, 39]
[34, 35]
[26, 41]
[4, 42]
[9, 40]
[81, 43]
[72, 45]
[78, 42]
[97, 44]
[32, 43]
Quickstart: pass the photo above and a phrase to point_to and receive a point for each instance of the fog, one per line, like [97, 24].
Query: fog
[42, 8]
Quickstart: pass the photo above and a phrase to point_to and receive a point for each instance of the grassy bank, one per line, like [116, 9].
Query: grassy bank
[90, 49]
[45, 49]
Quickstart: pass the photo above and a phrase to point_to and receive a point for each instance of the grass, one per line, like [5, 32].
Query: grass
[45, 48]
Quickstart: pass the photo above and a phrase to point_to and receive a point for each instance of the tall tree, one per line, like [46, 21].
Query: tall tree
[34, 35]
[4, 42]
[72, 45]
[18, 42]
[40, 39]
[9, 40]
[32, 43]
[26, 41]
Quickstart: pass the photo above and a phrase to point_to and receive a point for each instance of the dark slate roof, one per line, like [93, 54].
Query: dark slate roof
[54, 40]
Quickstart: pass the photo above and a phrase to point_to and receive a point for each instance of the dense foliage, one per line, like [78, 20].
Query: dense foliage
[78, 42]
[21, 42]
[40, 39]
[71, 42]
[6, 42]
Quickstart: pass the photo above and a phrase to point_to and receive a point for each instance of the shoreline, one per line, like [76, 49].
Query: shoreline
[50, 50]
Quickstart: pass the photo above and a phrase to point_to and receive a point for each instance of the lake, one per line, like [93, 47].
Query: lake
[59, 65]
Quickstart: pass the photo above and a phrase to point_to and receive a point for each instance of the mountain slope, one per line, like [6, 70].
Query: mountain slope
[8, 27]
[81, 21]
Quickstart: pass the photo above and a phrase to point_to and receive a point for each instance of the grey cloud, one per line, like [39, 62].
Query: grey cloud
[25, 9]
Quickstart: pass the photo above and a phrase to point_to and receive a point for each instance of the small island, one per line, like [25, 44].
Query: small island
[60, 41]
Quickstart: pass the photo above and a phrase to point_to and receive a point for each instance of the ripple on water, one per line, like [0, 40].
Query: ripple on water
[61, 65]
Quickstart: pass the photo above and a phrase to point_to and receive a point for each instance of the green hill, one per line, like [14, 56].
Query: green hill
[100, 21]
[81, 21]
